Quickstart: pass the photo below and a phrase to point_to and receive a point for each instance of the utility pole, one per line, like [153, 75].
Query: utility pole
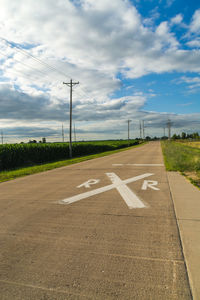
[140, 130]
[164, 130]
[70, 84]
[74, 133]
[143, 129]
[2, 137]
[128, 131]
[169, 124]
[62, 134]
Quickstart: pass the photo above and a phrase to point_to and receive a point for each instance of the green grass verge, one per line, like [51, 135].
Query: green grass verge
[179, 157]
[13, 174]
[182, 158]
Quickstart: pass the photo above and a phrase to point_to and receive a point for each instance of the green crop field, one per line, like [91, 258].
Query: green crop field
[14, 156]
[181, 157]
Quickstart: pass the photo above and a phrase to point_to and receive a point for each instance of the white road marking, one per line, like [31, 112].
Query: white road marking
[88, 183]
[139, 165]
[149, 165]
[150, 184]
[107, 188]
[129, 197]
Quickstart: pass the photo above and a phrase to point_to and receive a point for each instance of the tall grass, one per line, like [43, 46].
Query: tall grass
[193, 144]
[179, 157]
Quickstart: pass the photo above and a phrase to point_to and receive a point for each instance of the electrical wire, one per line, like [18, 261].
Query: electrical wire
[27, 66]
[21, 50]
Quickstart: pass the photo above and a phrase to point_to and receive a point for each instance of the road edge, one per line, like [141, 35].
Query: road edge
[185, 200]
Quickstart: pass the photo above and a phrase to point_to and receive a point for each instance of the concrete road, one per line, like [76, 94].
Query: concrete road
[101, 229]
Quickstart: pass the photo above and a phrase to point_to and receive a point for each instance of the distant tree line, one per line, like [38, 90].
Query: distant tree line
[184, 136]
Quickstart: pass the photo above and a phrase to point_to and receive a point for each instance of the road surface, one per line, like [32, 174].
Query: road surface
[101, 229]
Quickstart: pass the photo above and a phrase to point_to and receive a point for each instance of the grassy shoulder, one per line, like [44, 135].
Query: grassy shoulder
[13, 174]
[183, 158]
[194, 144]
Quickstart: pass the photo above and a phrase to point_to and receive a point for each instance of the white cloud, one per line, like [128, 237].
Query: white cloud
[90, 41]
[193, 82]
[177, 19]
[194, 43]
[96, 37]
[169, 3]
[186, 104]
[195, 24]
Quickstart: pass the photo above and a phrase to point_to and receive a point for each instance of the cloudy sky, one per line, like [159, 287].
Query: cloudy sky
[134, 59]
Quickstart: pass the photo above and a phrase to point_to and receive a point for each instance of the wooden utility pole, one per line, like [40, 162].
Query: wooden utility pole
[62, 134]
[140, 130]
[74, 133]
[128, 131]
[143, 129]
[2, 137]
[70, 84]
[164, 130]
[169, 124]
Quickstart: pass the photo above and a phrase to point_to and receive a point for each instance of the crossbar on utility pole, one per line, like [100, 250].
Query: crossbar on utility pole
[70, 84]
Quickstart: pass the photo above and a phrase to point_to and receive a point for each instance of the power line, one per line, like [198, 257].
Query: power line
[20, 49]
[27, 66]
[35, 76]
[17, 73]
[52, 68]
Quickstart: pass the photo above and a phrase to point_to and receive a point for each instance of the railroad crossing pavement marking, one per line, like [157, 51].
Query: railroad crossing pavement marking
[127, 194]
[88, 183]
[139, 165]
[151, 184]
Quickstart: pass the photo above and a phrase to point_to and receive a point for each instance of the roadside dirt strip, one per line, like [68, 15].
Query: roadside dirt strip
[101, 229]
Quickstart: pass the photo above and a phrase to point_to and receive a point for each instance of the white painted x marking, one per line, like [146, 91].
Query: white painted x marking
[128, 195]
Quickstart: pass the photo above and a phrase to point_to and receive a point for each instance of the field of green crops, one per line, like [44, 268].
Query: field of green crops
[19, 155]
